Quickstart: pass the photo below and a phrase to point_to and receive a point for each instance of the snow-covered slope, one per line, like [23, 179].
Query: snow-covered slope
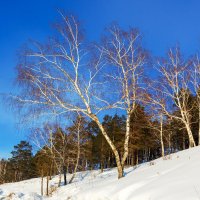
[175, 178]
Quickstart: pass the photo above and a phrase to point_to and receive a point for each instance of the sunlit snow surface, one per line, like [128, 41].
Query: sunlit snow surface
[174, 178]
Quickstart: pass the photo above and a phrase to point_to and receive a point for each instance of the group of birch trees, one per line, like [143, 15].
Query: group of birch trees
[68, 75]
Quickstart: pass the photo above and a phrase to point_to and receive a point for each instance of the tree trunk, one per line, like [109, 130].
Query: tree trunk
[102, 161]
[59, 181]
[191, 138]
[101, 166]
[183, 140]
[65, 174]
[15, 176]
[132, 158]
[109, 160]
[169, 142]
[50, 172]
[126, 143]
[129, 160]
[137, 158]
[47, 189]
[42, 181]
[86, 165]
[149, 154]
[186, 121]
[162, 149]
[77, 159]
[161, 136]
[115, 152]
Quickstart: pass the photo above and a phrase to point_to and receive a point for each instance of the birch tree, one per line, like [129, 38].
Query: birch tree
[124, 54]
[174, 85]
[53, 143]
[195, 80]
[156, 100]
[159, 128]
[80, 135]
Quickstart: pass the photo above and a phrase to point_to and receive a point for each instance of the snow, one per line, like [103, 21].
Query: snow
[177, 177]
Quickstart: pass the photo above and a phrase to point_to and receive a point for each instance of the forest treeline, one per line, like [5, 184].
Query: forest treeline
[81, 146]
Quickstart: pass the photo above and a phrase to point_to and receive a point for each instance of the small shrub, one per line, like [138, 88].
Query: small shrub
[53, 188]
[152, 163]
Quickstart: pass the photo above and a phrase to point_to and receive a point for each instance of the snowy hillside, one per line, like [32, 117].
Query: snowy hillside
[175, 178]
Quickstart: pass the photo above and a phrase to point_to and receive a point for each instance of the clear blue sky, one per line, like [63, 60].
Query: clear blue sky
[163, 24]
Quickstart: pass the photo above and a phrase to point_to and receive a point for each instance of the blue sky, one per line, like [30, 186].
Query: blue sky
[162, 23]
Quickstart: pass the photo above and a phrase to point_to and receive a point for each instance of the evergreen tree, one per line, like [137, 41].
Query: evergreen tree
[21, 162]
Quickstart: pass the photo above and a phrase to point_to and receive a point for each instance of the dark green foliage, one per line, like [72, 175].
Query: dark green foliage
[21, 165]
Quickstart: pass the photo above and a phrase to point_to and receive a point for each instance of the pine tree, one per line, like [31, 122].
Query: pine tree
[22, 161]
